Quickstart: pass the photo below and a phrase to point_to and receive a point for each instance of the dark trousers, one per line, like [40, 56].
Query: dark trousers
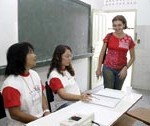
[111, 78]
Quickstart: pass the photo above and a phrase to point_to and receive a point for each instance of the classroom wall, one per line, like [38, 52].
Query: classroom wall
[95, 4]
[8, 27]
[143, 9]
[141, 71]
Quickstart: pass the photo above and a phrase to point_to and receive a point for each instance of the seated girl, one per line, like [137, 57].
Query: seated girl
[61, 78]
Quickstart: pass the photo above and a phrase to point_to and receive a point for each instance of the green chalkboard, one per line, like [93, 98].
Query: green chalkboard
[47, 23]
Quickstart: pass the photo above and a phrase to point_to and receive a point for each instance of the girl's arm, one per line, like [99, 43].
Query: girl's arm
[101, 56]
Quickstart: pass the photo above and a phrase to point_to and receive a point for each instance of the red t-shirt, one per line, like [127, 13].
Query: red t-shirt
[117, 50]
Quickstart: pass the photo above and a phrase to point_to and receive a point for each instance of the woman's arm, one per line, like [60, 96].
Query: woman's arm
[11, 97]
[101, 56]
[123, 72]
[71, 97]
[132, 57]
[45, 105]
[17, 114]
[21, 116]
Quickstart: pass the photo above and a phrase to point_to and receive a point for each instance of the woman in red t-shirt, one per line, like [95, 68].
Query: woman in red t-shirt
[115, 63]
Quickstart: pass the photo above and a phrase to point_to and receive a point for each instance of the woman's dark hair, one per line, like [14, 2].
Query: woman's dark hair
[16, 58]
[122, 19]
[56, 61]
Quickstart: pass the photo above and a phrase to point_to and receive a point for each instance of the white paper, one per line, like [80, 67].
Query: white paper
[107, 97]
[111, 93]
[104, 101]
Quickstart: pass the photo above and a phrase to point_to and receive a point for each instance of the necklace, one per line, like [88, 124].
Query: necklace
[28, 84]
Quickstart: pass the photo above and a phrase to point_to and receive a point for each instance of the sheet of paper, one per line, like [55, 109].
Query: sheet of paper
[107, 97]
[104, 101]
[111, 93]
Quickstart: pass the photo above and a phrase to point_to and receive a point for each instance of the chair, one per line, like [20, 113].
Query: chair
[49, 94]
[2, 109]
[142, 114]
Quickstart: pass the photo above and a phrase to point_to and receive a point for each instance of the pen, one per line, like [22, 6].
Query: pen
[96, 97]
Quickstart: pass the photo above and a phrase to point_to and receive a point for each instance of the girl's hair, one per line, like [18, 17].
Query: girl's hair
[16, 58]
[56, 61]
[122, 19]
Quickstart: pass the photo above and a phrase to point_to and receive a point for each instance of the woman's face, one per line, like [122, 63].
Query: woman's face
[118, 26]
[66, 58]
[30, 59]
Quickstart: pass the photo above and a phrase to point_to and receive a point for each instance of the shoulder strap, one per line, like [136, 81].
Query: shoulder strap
[110, 34]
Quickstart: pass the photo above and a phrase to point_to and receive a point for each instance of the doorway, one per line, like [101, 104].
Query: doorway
[102, 24]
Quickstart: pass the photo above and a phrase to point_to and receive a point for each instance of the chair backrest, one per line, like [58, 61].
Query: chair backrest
[2, 109]
[49, 94]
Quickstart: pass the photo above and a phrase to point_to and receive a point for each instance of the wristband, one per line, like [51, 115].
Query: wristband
[46, 110]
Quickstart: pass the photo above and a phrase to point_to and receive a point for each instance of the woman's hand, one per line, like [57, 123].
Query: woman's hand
[86, 97]
[123, 72]
[98, 73]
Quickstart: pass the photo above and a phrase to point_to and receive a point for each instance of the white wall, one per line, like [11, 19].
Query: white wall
[141, 71]
[8, 27]
[143, 9]
[81, 67]
[95, 4]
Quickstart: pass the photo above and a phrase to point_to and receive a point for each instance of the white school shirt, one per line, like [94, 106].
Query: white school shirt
[65, 81]
[30, 90]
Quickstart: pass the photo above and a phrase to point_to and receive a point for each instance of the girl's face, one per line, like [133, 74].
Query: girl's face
[118, 26]
[30, 59]
[66, 58]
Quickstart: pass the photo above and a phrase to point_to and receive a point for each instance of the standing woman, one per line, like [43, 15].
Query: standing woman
[115, 64]
[22, 90]
[61, 78]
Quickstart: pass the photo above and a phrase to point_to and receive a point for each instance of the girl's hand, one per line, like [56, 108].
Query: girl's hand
[123, 72]
[98, 73]
[85, 97]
